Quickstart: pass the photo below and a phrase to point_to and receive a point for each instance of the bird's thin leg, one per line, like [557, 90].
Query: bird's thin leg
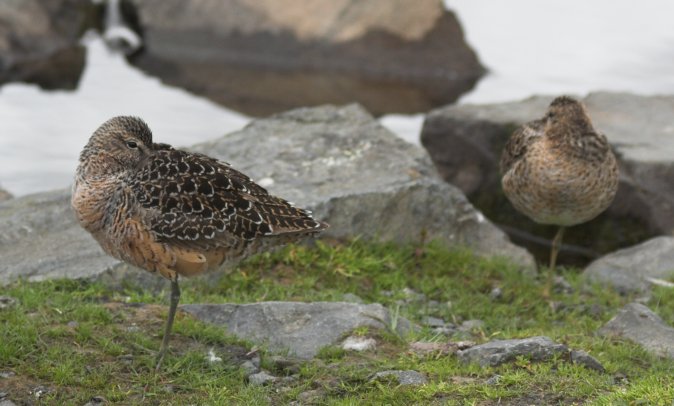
[175, 298]
[556, 243]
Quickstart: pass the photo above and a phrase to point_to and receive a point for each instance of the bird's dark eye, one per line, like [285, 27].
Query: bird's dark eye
[131, 144]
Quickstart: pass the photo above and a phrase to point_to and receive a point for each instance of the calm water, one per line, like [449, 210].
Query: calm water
[555, 47]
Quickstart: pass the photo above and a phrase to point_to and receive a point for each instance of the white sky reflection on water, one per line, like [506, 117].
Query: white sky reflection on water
[530, 47]
[42, 133]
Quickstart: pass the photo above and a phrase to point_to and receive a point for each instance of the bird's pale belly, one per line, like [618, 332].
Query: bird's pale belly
[564, 197]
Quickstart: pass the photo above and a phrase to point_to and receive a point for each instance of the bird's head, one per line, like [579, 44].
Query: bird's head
[566, 111]
[119, 144]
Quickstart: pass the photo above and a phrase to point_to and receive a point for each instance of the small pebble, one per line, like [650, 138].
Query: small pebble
[248, 367]
[586, 360]
[211, 357]
[261, 378]
[560, 285]
[434, 321]
[132, 329]
[126, 358]
[73, 324]
[470, 325]
[496, 293]
[96, 400]
[351, 298]
[310, 396]
[41, 391]
[494, 380]
[355, 343]
[6, 302]
[404, 377]
[6, 374]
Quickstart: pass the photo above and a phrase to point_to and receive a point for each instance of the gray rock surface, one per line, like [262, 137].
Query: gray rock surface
[300, 328]
[638, 323]
[340, 162]
[360, 178]
[4, 195]
[465, 143]
[262, 57]
[498, 352]
[39, 41]
[39, 239]
[408, 377]
[628, 270]
[586, 360]
[5, 303]
[261, 378]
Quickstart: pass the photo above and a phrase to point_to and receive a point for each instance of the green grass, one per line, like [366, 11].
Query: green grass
[83, 339]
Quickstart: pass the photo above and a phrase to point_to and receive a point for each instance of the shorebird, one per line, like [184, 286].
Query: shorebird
[559, 170]
[174, 212]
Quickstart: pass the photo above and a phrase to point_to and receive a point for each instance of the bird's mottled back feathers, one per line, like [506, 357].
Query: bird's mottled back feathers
[195, 201]
[518, 143]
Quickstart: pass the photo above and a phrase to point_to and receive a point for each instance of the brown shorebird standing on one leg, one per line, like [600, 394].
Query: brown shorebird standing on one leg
[559, 170]
[175, 212]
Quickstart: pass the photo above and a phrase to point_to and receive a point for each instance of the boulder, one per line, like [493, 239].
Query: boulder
[360, 178]
[39, 41]
[639, 324]
[465, 143]
[300, 328]
[4, 195]
[262, 57]
[498, 352]
[355, 174]
[633, 269]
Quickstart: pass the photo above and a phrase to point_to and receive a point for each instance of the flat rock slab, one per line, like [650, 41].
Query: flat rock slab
[406, 377]
[339, 161]
[629, 270]
[300, 328]
[498, 352]
[465, 143]
[638, 323]
[262, 57]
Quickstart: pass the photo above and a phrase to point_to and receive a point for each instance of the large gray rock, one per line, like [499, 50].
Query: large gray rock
[498, 352]
[630, 269]
[638, 323]
[300, 328]
[465, 143]
[39, 239]
[262, 57]
[39, 41]
[353, 172]
[360, 178]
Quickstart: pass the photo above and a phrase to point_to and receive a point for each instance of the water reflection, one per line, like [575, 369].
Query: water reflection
[41, 132]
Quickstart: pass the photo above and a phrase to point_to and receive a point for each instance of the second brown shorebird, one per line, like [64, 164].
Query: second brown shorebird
[559, 170]
[173, 212]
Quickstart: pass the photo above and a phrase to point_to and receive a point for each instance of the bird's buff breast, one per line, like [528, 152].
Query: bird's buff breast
[562, 193]
[123, 235]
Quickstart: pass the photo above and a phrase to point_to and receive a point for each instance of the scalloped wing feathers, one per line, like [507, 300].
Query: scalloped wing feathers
[195, 201]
